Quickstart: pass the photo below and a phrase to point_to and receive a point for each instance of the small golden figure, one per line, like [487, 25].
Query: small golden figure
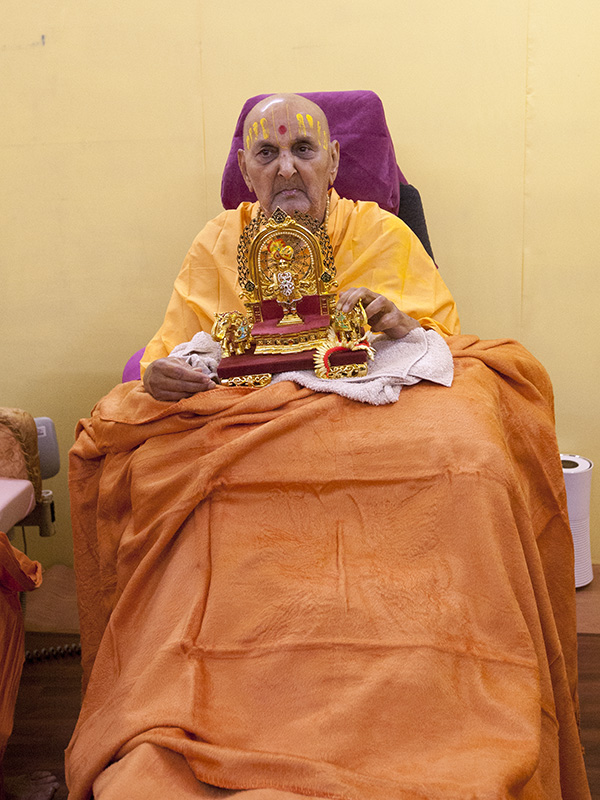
[232, 330]
[349, 326]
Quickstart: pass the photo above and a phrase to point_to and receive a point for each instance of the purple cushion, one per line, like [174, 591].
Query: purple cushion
[368, 169]
[132, 367]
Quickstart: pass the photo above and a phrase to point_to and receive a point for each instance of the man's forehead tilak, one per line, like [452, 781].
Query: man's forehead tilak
[302, 125]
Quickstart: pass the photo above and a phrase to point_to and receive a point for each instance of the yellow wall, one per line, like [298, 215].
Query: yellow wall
[115, 125]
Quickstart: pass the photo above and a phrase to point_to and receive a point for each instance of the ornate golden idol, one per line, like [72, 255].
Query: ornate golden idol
[288, 281]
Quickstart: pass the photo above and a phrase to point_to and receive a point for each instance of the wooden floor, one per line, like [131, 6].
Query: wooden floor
[589, 699]
[47, 709]
[49, 698]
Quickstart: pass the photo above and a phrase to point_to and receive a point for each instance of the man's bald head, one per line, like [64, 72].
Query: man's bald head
[301, 113]
[288, 158]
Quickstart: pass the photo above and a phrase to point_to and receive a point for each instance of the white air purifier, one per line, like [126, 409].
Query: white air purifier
[578, 481]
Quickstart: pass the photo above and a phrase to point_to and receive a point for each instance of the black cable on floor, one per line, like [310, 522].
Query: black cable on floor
[60, 651]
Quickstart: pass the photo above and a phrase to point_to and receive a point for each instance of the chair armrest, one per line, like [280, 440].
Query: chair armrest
[17, 501]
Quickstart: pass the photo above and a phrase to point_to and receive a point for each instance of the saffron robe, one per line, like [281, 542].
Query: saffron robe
[371, 248]
[285, 593]
[17, 574]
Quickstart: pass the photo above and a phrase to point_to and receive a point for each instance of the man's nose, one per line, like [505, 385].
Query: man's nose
[287, 166]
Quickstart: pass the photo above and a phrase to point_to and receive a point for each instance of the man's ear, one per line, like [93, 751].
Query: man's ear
[243, 170]
[334, 152]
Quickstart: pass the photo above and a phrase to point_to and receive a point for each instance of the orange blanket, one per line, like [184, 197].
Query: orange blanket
[17, 574]
[296, 591]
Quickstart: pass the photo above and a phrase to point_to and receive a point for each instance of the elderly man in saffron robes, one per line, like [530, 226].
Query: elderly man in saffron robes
[288, 594]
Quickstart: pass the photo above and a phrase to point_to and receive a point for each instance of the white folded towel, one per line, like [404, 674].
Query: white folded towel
[420, 355]
[201, 353]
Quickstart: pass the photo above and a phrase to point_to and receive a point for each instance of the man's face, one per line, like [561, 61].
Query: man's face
[288, 159]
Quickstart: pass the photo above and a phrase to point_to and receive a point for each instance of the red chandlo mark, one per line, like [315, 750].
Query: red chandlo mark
[282, 129]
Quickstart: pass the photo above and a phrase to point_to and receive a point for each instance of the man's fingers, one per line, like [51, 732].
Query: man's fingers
[378, 306]
[172, 379]
[176, 370]
[192, 384]
[350, 297]
[167, 384]
[383, 315]
[176, 390]
[382, 321]
[173, 394]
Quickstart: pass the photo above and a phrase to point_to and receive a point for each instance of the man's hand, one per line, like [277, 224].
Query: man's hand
[383, 315]
[173, 379]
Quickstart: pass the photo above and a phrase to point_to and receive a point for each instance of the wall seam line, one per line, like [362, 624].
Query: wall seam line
[526, 131]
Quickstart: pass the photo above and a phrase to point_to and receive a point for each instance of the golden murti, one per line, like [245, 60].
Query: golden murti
[287, 275]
